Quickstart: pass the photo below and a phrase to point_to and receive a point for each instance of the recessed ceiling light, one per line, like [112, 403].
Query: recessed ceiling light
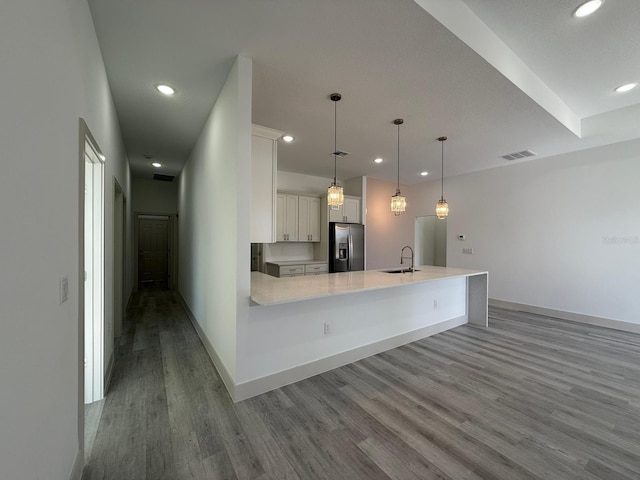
[424, 174]
[288, 138]
[626, 87]
[378, 160]
[156, 164]
[165, 89]
[587, 8]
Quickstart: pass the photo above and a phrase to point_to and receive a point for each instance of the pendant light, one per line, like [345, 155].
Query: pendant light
[398, 202]
[442, 208]
[335, 194]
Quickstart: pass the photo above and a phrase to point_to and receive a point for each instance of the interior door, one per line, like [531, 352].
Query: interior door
[153, 251]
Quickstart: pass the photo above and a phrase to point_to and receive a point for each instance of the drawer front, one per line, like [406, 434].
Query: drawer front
[316, 268]
[292, 270]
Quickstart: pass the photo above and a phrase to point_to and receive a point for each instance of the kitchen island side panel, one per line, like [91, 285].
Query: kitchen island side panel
[287, 336]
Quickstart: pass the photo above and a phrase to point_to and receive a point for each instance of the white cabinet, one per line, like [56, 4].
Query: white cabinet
[286, 217]
[308, 219]
[264, 166]
[348, 212]
[316, 269]
[297, 218]
[291, 269]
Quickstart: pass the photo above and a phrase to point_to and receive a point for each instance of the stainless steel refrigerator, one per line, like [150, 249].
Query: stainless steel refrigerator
[346, 247]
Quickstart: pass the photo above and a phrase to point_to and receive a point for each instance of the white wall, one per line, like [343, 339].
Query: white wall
[561, 233]
[52, 74]
[386, 233]
[153, 196]
[299, 183]
[285, 251]
[214, 256]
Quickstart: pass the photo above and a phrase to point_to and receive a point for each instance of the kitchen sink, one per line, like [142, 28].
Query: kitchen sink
[402, 270]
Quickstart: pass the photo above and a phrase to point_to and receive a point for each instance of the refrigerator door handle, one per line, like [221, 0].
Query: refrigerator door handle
[350, 251]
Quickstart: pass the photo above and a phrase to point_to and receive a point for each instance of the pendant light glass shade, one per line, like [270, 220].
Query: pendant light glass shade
[398, 202]
[335, 196]
[335, 193]
[442, 207]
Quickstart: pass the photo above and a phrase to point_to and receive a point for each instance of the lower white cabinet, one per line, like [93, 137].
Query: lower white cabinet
[316, 269]
[289, 270]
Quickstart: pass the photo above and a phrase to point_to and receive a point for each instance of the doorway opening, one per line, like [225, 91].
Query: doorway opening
[119, 229]
[93, 271]
[153, 251]
[431, 241]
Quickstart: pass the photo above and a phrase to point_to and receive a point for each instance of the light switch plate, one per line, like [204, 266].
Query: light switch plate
[64, 289]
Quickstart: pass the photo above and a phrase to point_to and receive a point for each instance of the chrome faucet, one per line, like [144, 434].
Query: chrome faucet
[402, 257]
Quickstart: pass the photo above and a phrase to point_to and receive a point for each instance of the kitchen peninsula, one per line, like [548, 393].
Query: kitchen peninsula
[301, 326]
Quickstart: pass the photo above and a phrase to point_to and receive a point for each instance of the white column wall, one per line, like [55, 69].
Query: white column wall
[213, 205]
[52, 74]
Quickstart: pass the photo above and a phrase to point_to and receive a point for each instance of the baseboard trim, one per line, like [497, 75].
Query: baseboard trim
[109, 374]
[265, 384]
[78, 467]
[573, 317]
[213, 355]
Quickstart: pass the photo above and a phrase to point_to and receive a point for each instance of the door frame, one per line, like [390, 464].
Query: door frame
[94, 326]
[119, 265]
[84, 134]
[172, 282]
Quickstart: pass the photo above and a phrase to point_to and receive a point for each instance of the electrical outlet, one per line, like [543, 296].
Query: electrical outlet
[327, 328]
[64, 289]
[468, 251]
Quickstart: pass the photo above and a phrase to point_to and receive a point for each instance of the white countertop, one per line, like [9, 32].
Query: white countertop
[268, 290]
[286, 263]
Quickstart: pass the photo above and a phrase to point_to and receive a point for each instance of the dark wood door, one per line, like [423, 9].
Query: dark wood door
[153, 250]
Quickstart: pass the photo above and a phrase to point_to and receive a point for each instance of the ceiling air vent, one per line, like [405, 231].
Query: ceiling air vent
[163, 178]
[340, 153]
[517, 155]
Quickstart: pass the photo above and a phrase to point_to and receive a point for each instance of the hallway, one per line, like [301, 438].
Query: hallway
[529, 398]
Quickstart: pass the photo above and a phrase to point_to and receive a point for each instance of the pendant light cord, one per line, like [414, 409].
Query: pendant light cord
[335, 142]
[398, 187]
[442, 177]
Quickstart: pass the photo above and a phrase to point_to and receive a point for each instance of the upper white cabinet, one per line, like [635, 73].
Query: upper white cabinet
[349, 211]
[264, 167]
[286, 217]
[308, 219]
[297, 218]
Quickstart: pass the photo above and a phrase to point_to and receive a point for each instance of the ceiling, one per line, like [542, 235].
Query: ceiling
[507, 79]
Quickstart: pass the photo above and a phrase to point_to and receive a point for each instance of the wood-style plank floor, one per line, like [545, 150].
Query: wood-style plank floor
[531, 397]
